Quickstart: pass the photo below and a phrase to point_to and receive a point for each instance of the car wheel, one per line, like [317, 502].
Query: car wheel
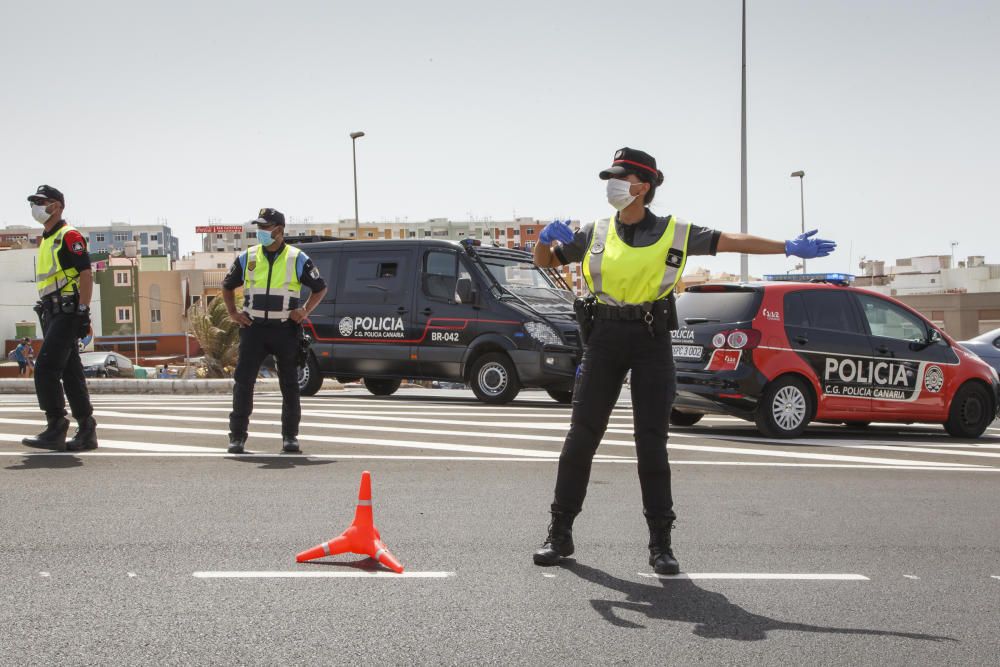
[971, 413]
[785, 408]
[382, 387]
[857, 425]
[678, 418]
[344, 379]
[560, 396]
[494, 379]
[310, 378]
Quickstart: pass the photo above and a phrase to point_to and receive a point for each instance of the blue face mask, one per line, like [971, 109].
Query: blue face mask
[264, 237]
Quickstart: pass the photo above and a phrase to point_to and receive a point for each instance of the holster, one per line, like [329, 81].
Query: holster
[584, 309]
[304, 342]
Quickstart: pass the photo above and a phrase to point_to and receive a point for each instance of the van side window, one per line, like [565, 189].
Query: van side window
[369, 278]
[440, 276]
[887, 320]
[831, 310]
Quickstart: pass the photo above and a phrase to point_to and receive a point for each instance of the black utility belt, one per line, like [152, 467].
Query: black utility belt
[259, 322]
[645, 312]
[58, 303]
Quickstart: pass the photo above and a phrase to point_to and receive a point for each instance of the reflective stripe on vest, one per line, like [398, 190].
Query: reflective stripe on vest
[619, 274]
[49, 273]
[284, 281]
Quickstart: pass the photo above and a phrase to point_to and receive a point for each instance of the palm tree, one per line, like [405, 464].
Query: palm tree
[218, 335]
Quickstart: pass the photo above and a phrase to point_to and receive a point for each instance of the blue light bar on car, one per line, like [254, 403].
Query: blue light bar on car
[836, 278]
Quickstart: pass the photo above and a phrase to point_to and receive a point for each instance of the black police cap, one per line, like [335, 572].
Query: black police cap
[270, 216]
[47, 192]
[633, 161]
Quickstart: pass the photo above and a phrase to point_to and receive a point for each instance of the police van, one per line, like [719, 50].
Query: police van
[784, 352]
[431, 309]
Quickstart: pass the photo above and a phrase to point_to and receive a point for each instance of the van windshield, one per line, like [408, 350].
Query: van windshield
[528, 282]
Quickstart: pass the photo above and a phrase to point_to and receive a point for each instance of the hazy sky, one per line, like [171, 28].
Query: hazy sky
[187, 110]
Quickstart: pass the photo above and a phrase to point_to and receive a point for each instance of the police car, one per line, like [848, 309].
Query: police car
[791, 350]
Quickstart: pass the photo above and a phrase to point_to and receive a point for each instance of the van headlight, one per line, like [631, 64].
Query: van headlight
[543, 333]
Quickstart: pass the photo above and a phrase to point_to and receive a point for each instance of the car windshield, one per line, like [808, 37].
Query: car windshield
[721, 307]
[529, 283]
[93, 358]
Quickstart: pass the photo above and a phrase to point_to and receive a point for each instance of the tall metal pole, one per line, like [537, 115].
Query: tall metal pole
[135, 317]
[801, 175]
[744, 264]
[354, 160]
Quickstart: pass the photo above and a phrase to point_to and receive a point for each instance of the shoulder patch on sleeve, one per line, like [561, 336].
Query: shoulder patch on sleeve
[73, 240]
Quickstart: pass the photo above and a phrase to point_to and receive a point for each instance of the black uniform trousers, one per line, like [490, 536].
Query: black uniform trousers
[58, 367]
[614, 348]
[256, 342]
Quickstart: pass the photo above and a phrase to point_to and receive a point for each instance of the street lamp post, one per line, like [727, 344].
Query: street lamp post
[354, 159]
[131, 253]
[801, 175]
[744, 260]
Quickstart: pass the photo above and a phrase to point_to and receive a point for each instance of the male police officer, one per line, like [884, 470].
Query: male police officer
[65, 284]
[272, 274]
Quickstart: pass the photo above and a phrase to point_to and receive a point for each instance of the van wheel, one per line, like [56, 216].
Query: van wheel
[344, 379]
[310, 379]
[494, 379]
[382, 387]
[785, 408]
[560, 396]
[678, 418]
[971, 413]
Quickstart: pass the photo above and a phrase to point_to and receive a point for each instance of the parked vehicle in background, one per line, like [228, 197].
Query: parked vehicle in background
[784, 353]
[106, 365]
[986, 346]
[428, 309]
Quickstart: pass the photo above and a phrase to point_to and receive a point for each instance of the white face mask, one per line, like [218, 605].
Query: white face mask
[39, 214]
[618, 193]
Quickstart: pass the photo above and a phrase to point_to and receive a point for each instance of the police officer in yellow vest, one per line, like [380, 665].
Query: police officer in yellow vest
[65, 285]
[632, 264]
[272, 274]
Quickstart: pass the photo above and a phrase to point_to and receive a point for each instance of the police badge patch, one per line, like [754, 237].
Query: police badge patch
[675, 258]
[314, 274]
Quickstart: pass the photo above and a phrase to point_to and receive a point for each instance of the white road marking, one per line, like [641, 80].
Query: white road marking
[338, 574]
[131, 574]
[479, 449]
[994, 576]
[548, 576]
[44, 574]
[911, 576]
[771, 576]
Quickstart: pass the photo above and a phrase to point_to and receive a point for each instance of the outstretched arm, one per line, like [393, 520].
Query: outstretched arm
[803, 245]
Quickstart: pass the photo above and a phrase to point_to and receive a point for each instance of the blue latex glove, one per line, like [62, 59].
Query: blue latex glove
[556, 230]
[807, 248]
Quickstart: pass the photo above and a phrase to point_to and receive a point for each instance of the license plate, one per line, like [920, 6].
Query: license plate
[687, 351]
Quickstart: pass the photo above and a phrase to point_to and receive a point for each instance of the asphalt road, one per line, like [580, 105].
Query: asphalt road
[892, 533]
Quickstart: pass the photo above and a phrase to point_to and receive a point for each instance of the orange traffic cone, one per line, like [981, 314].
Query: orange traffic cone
[361, 538]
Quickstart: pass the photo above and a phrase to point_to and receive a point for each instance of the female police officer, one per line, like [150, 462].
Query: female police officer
[632, 264]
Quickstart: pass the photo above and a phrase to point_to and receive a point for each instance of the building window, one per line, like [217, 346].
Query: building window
[411, 235]
[99, 238]
[154, 251]
[220, 266]
[427, 233]
[218, 236]
[154, 315]
[123, 278]
[529, 230]
[121, 237]
[195, 299]
[369, 234]
[123, 314]
[154, 237]
[251, 235]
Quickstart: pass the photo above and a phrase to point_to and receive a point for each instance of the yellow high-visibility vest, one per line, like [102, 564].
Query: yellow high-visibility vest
[50, 275]
[618, 274]
[270, 290]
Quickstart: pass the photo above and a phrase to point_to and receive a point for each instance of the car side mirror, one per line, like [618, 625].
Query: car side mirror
[465, 291]
[934, 337]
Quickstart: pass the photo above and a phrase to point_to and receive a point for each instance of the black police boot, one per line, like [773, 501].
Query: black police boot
[559, 543]
[290, 445]
[236, 443]
[85, 437]
[661, 556]
[53, 437]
